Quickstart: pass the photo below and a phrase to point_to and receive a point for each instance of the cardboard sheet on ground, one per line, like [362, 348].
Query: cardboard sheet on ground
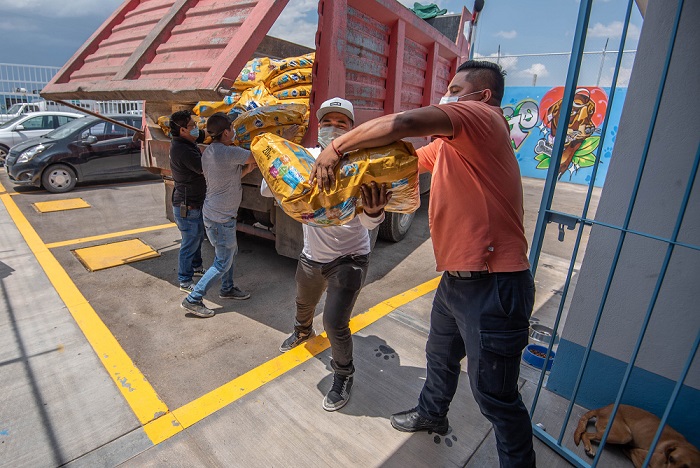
[286, 167]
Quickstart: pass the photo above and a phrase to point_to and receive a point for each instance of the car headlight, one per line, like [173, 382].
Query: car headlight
[31, 152]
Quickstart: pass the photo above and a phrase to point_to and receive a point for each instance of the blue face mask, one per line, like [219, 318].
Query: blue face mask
[194, 132]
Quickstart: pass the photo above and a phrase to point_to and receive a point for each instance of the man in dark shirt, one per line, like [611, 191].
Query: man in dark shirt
[188, 196]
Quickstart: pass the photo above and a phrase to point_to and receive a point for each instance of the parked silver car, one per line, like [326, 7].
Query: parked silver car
[28, 126]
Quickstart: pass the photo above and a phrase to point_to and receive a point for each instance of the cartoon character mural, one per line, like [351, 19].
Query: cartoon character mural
[582, 135]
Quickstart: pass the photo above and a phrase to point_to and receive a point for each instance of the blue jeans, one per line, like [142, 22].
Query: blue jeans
[223, 237]
[485, 319]
[192, 232]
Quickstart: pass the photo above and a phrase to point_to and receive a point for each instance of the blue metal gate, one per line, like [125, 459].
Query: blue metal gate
[624, 231]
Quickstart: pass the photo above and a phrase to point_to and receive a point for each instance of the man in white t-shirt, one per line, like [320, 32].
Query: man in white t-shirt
[335, 260]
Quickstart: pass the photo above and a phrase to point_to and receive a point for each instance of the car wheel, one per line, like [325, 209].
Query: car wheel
[3, 154]
[59, 178]
[395, 226]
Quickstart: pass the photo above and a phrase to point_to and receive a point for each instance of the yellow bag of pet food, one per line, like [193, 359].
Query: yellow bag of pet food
[286, 168]
[164, 124]
[296, 92]
[292, 63]
[257, 96]
[266, 119]
[302, 76]
[209, 108]
[256, 71]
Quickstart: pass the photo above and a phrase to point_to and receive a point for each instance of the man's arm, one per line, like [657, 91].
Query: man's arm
[382, 131]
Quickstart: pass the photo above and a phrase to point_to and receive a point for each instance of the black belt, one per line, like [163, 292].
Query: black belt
[468, 274]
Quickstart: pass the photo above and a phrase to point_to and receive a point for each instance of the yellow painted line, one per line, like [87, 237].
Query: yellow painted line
[114, 254]
[112, 235]
[162, 428]
[217, 399]
[138, 392]
[61, 205]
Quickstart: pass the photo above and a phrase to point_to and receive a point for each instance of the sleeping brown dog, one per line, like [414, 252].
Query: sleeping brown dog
[635, 428]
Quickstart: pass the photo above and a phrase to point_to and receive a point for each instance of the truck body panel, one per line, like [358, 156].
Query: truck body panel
[174, 53]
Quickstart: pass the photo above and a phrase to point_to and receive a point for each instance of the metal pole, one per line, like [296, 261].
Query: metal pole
[602, 62]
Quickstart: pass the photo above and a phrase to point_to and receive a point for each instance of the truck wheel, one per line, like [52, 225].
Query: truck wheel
[3, 154]
[395, 226]
[59, 178]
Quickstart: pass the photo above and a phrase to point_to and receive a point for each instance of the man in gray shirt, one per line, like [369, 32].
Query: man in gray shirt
[223, 165]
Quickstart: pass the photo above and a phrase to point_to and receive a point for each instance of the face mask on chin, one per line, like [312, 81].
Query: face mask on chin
[328, 134]
[448, 99]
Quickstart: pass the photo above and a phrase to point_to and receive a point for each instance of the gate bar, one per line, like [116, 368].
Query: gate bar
[628, 216]
[584, 14]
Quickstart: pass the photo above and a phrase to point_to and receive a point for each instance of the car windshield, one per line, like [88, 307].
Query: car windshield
[11, 122]
[14, 109]
[65, 130]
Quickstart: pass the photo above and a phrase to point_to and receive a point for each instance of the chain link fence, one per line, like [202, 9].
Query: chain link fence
[550, 69]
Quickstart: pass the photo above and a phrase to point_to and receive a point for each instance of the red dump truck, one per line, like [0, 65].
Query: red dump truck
[174, 53]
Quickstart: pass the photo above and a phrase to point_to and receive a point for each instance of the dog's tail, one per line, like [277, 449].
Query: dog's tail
[582, 423]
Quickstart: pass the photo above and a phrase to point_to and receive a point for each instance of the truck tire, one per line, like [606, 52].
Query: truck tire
[58, 178]
[395, 226]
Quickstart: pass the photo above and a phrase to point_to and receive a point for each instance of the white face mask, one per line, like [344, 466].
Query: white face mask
[447, 99]
[328, 134]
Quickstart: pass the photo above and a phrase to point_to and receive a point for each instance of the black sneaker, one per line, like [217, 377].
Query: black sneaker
[199, 271]
[339, 394]
[197, 308]
[234, 293]
[295, 339]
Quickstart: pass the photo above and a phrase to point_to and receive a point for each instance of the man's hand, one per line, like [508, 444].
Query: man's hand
[374, 199]
[323, 171]
[291, 132]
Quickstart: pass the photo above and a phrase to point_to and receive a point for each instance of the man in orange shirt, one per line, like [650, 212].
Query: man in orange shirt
[483, 304]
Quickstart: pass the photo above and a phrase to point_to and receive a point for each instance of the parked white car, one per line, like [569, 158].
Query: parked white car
[32, 125]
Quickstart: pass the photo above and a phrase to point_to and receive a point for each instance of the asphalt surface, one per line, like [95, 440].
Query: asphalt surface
[183, 357]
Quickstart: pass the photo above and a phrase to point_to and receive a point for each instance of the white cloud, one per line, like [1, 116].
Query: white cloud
[58, 9]
[535, 69]
[623, 77]
[293, 24]
[509, 64]
[512, 34]
[613, 30]
[17, 25]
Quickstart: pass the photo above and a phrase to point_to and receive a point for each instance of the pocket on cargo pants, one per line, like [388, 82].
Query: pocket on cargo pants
[499, 360]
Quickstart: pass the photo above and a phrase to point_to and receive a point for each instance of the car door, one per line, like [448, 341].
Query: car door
[32, 128]
[107, 154]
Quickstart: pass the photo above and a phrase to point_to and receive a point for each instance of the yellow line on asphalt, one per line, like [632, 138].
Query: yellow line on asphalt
[111, 235]
[138, 392]
[193, 412]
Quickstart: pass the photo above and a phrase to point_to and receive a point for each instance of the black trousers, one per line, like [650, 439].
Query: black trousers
[342, 279]
[485, 319]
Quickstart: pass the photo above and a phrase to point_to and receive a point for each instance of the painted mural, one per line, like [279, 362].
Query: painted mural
[533, 114]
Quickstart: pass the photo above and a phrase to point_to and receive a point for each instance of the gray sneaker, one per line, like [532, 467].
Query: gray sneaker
[197, 308]
[234, 293]
[339, 394]
[187, 287]
[295, 339]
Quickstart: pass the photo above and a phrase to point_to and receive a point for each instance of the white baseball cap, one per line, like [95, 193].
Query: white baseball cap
[336, 104]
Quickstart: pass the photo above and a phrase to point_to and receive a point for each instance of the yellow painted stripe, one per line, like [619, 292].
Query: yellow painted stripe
[217, 399]
[137, 391]
[111, 235]
[162, 428]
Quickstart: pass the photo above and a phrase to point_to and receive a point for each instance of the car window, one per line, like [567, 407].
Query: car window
[11, 122]
[63, 119]
[98, 130]
[35, 123]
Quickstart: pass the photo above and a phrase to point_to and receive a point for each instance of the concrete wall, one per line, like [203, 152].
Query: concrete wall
[676, 318]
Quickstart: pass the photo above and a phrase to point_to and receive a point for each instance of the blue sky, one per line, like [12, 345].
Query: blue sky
[48, 32]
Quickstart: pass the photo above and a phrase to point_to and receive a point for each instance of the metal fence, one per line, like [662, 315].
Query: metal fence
[22, 83]
[597, 68]
[621, 239]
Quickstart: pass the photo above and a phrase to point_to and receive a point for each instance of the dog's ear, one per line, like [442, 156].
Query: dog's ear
[667, 449]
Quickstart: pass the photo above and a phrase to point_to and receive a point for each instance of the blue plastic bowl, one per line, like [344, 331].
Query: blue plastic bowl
[536, 361]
